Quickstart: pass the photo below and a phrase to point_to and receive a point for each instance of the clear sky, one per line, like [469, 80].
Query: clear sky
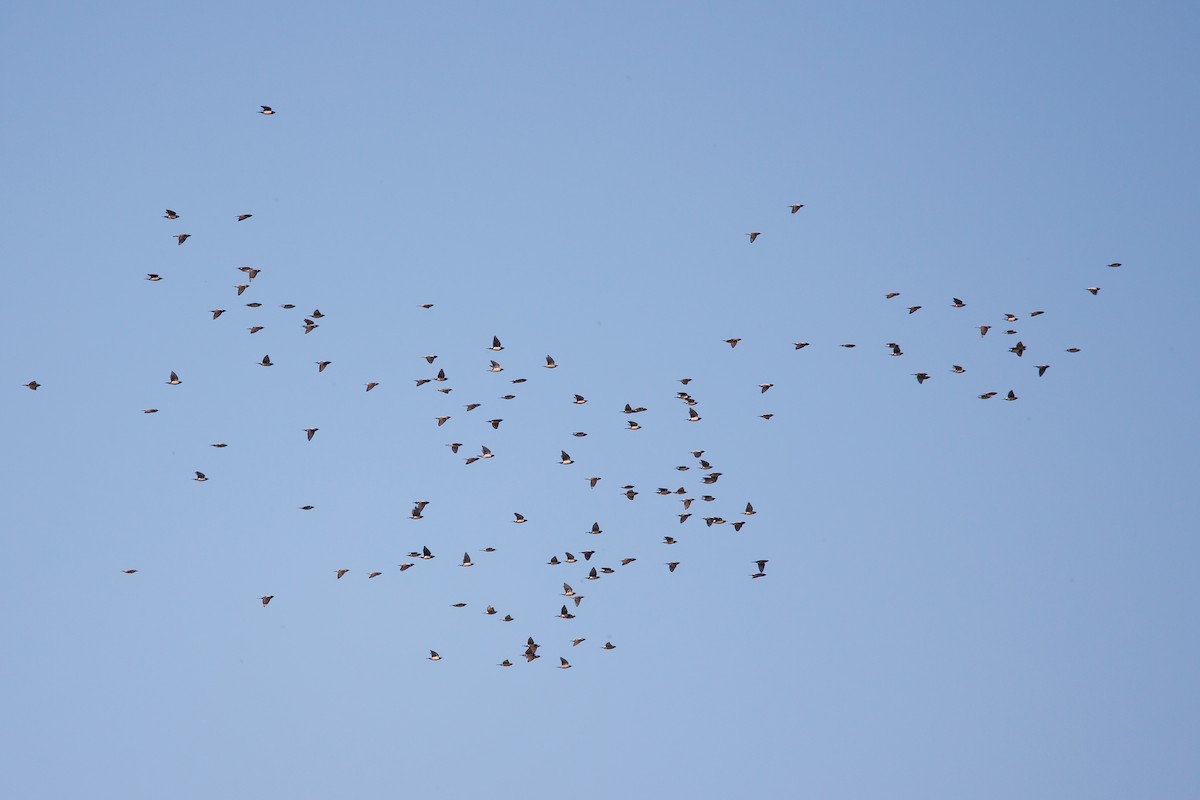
[964, 598]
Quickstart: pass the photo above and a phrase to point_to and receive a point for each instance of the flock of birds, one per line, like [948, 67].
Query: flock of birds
[707, 472]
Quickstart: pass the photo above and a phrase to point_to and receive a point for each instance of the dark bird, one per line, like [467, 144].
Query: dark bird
[129, 571]
[266, 361]
[796, 207]
[625, 562]
[244, 217]
[425, 554]
[1010, 317]
[495, 423]
[251, 273]
[241, 287]
[983, 329]
[595, 529]
[33, 385]
[505, 663]
[441, 420]
[754, 235]
[1041, 368]
[732, 342]
[564, 614]
[668, 540]
[472, 406]
[266, 598]
[749, 512]
[1072, 350]
[255, 328]
[1019, 349]
[685, 381]
[254, 305]
[150, 276]
[921, 376]
[1095, 290]
[518, 518]
[426, 306]
[433, 656]
[987, 395]
[373, 575]
[1011, 395]
[496, 344]
[800, 345]
[466, 562]
[216, 312]
[671, 565]
[404, 567]
[631, 410]
[849, 345]
[495, 367]
[321, 365]
[913, 309]
[633, 426]
[441, 376]
[484, 452]
[1115, 264]
[310, 326]
[578, 641]
[200, 476]
[609, 646]
[371, 385]
[307, 508]
[762, 564]
[566, 459]
[587, 554]
[693, 416]
[592, 576]
[764, 386]
[311, 432]
[341, 572]
[579, 400]
[171, 214]
[183, 237]
[145, 411]
[958, 303]
[956, 369]
[174, 379]
[890, 295]
[1036, 313]
[592, 482]
[266, 110]
[549, 363]
[564, 664]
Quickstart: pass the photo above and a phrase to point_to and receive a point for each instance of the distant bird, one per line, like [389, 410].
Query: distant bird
[1115, 264]
[404, 567]
[441, 376]
[564, 614]
[268, 111]
[241, 287]
[147, 410]
[33, 385]
[266, 598]
[433, 656]
[564, 664]
[595, 529]
[310, 326]
[1041, 368]
[592, 576]
[579, 400]
[171, 214]
[796, 207]
[254, 305]
[495, 367]
[956, 369]
[754, 235]
[505, 663]
[958, 303]
[685, 381]
[762, 564]
[1072, 349]
[633, 426]
[631, 410]
[373, 575]
[495, 423]
[266, 361]
[671, 565]
[764, 386]
[668, 540]
[321, 365]
[890, 295]
[732, 342]
[341, 572]
[1095, 290]
[913, 309]
[983, 329]
[244, 217]
[848, 345]
[518, 518]
[587, 554]
[749, 512]
[578, 641]
[174, 379]
[484, 452]
[592, 482]
[442, 420]
[307, 508]
[566, 459]
[183, 237]
[800, 345]
[311, 432]
[371, 385]
[216, 312]
[496, 344]
[1019, 349]
[1036, 313]
[425, 554]
[766, 416]
[921, 376]
[987, 395]
[426, 306]
[549, 363]
[472, 406]
[609, 646]
[454, 446]
[150, 276]
[466, 562]
[255, 328]
[1011, 395]
[625, 562]
[251, 273]
[693, 416]
[1010, 317]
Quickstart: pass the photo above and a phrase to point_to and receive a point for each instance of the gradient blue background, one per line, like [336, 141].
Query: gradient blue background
[964, 599]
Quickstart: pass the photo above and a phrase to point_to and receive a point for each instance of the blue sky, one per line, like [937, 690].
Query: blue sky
[963, 598]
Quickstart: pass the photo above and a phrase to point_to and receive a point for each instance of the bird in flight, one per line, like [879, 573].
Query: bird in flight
[754, 235]
[1041, 368]
[267, 110]
[796, 207]
[266, 598]
[311, 432]
[171, 214]
[433, 656]
[266, 361]
[496, 344]
[244, 217]
[566, 458]
[549, 363]
[174, 380]
[200, 476]
[183, 237]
